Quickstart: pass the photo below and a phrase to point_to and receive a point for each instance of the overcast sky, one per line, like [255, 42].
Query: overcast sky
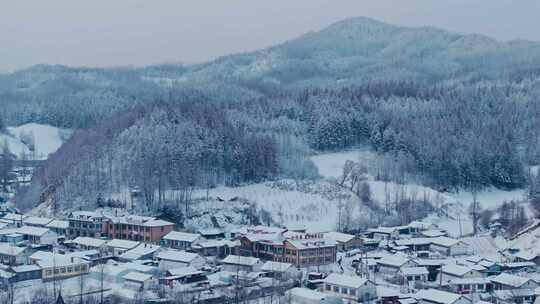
[135, 32]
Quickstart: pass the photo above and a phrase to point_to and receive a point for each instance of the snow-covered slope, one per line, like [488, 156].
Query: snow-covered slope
[46, 139]
[330, 166]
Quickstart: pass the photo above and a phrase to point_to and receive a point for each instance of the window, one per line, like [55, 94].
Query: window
[409, 278]
[336, 289]
[416, 278]
[352, 292]
[63, 270]
[328, 287]
[48, 272]
[70, 269]
[344, 290]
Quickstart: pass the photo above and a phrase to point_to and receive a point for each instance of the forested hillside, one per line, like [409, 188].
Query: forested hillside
[453, 111]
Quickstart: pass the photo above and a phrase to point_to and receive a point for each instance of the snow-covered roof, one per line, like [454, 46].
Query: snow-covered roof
[89, 242]
[177, 256]
[210, 231]
[157, 223]
[8, 249]
[25, 268]
[39, 221]
[456, 270]
[13, 217]
[345, 280]
[477, 280]
[311, 243]
[413, 271]
[393, 261]
[217, 243]
[445, 241]
[137, 277]
[85, 215]
[433, 233]
[526, 255]
[339, 237]
[438, 296]
[241, 260]
[33, 231]
[60, 260]
[181, 236]
[509, 280]
[276, 266]
[183, 271]
[122, 244]
[58, 224]
[140, 251]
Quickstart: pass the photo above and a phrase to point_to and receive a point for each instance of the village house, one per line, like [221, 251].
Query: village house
[61, 267]
[138, 281]
[117, 247]
[345, 242]
[391, 265]
[12, 255]
[180, 240]
[235, 263]
[449, 246]
[506, 281]
[453, 271]
[216, 248]
[169, 259]
[37, 235]
[60, 227]
[470, 285]
[351, 288]
[142, 252]
[137, 228]
[527, 256]
[26, 273]
[86, 224]
[211, 234]
[184, 276]
[35, 221]
[89, 243]
[414, 275]
[281, 271]
[435, 296]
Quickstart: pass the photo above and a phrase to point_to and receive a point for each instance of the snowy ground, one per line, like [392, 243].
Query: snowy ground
[47, 139]
[330, 166]
[297, 208]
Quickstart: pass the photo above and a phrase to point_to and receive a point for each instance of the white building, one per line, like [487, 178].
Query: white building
[454, 271]
[351, 288]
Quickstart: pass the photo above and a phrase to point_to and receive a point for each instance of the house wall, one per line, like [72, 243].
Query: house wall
[61, 272]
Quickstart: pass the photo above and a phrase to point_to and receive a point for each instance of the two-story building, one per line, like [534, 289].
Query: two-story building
[86, 223]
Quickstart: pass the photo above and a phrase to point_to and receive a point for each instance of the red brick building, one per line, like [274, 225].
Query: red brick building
[299, 249]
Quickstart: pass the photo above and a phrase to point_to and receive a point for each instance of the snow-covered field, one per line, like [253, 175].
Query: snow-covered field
[330, 165]
[296, 208]
[47, 139]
